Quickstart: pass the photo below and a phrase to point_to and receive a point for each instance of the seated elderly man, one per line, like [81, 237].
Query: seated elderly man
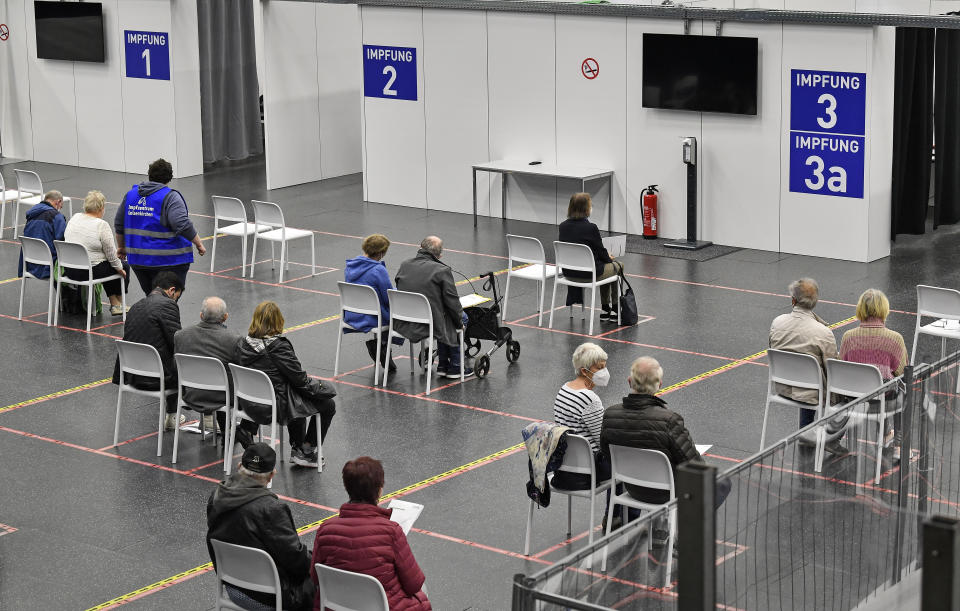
[426, 274]
[45, 222]
[209, 337]
[804, 332]
[243, 511]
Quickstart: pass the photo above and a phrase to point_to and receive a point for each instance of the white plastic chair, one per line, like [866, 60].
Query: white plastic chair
[255, 386]
[36, 251]
[415, 308]
[231, 209]
[244, 567]
[577, 459]
[855, 380]
[793, 369]
[944, 305]
[270, 214]
[142, 360]
[347, 591]
[578, 257]
[6, 196]
[201, 373]
[29, 193]
[521, 249]
[360, 299]
[75, 256]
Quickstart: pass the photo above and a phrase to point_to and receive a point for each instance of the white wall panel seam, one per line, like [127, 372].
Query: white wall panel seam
[780, 140]
[76, 123]
[486, 175]
[556, 125]
[363, 110]
[423, 92]
[316, 76]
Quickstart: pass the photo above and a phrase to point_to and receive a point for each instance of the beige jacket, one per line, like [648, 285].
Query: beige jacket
[803, 331]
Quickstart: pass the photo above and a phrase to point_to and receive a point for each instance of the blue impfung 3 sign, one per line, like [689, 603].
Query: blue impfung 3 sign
[147, 54]
[827, 132]
[390, 72]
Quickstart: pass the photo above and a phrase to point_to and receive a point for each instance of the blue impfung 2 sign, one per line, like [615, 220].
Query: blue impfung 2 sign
[147, 54]
[390, 72]
[827, 132]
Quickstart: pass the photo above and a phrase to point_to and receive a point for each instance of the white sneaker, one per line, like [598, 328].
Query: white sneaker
[169, 423]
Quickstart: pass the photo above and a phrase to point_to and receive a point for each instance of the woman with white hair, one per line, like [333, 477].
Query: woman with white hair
[90, 230]
[578, 407]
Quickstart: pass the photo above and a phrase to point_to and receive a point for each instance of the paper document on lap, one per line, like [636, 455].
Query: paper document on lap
[703, 447]
[404, 513]
[616, 245]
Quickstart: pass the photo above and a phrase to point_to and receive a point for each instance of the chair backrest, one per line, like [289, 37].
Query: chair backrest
[794, 369]
[523, 249]
[579, 456]
[346, 591]
[252, 385]
[28, 182]
[937, 302]
[647, 468]
[70, 254]
[267, 213]
[35, 250]
[139, 359]
[358, 298]
[247, 567]
[411, 307]
[577, 257]
[852, 379]
[201, 372]
[229, 209]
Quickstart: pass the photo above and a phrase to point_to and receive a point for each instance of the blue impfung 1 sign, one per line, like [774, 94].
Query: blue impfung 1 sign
[147, 54]
[827, 132]
[390, 72]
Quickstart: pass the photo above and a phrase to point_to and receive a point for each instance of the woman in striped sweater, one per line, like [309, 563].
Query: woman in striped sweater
[873, 343]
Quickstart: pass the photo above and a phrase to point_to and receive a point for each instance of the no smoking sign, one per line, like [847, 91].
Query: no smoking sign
[4, 31]
[590, 68]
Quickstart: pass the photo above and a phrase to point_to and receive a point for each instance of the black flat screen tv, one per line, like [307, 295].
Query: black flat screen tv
[702, 73]
[70, 31]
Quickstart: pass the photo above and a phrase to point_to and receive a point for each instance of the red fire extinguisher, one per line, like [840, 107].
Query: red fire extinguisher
[650, 212]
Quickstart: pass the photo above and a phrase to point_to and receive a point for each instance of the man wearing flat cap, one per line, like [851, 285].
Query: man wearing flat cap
[244, 512]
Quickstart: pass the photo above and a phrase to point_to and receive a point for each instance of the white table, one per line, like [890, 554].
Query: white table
[506, 167]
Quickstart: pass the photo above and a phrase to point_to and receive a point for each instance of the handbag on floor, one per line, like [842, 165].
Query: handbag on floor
[628, 303]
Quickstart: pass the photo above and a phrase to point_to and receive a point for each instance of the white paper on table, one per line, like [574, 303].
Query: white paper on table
[467, 301]
[949, 324]
[616, 245]
[703, 447]
[404, 513]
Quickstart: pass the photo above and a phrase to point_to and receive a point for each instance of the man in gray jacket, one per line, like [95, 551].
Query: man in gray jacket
[426, 274]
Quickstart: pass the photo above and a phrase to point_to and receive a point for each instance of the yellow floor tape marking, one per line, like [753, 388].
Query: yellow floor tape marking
[53, 395]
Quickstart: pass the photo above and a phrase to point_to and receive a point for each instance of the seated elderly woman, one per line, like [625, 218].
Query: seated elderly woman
[363, 539]
[370, 270]
[872, 343]
[579, 407]
[298, 396]
[95, 234]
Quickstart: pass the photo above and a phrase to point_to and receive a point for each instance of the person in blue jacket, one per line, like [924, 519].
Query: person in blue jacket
[369, 269]
[46, 222]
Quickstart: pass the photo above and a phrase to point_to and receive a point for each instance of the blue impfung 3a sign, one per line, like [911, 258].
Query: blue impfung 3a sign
[390, 72]
[147, 54]
[827, 132]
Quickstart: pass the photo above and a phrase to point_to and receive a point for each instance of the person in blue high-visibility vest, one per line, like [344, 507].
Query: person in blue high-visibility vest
[153, 228]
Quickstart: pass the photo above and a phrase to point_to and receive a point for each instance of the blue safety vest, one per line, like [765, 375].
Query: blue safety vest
[148, 241]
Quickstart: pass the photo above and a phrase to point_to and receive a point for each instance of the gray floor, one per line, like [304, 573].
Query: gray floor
[82, 524]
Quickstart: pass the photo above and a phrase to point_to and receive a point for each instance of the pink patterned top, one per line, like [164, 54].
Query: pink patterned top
[874, 344]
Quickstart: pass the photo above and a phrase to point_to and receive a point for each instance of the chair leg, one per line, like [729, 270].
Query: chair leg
[593, 516]
[593, 308]
[463, 360]
[429, 341]
[383, 380]
[880, 426]
[541, 289]
[316, 418]
[213, 247]
[56, 304]
[763, 427]
[253, 255]
[821, 443]
[336, 357]
[90, 292]
[228, 451]
[116, 425]
[50, 299]
[378, 335]
[916, 337]
[283, 259]
[163, 413]
[553, 300]
[243, 256]
[569, 516]
[526, 539]
[273, 256]
[506, 295]
[123, 299]
[176, 431]
[313, 255]
[23, 285]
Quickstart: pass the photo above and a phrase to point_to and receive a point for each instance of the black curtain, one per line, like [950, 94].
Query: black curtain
[912, 130]
[947, 121]
[229, 92]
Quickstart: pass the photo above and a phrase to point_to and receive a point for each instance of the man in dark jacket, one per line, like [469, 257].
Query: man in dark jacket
[425, 274]
[209, 337]
[244, 512]
[153, 228]
[154, 320]
[46, 222]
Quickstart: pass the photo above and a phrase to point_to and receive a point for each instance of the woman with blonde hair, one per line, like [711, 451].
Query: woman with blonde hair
[299, 397]
[90, 230]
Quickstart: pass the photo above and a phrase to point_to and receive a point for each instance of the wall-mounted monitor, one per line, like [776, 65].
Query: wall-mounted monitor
[702, 73]
[70, 31]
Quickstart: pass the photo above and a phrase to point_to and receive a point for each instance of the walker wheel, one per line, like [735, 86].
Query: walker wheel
[472, 347]
[482, 366]
[513, 351]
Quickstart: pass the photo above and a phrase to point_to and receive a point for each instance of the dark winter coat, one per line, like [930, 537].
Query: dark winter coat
[46, 223]
[427, 275]
[582, 231]
[244, 512]
[153, 320]
[297, 394]
[213, 340]
[643, 421]
[362, 539]
[364, 270]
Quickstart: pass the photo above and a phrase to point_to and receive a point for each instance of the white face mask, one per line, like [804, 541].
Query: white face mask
[601, 377]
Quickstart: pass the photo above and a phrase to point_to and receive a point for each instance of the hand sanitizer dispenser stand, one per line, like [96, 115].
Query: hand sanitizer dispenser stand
[690, 159]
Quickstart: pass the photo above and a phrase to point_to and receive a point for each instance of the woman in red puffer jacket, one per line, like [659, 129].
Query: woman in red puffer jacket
[363, 539]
